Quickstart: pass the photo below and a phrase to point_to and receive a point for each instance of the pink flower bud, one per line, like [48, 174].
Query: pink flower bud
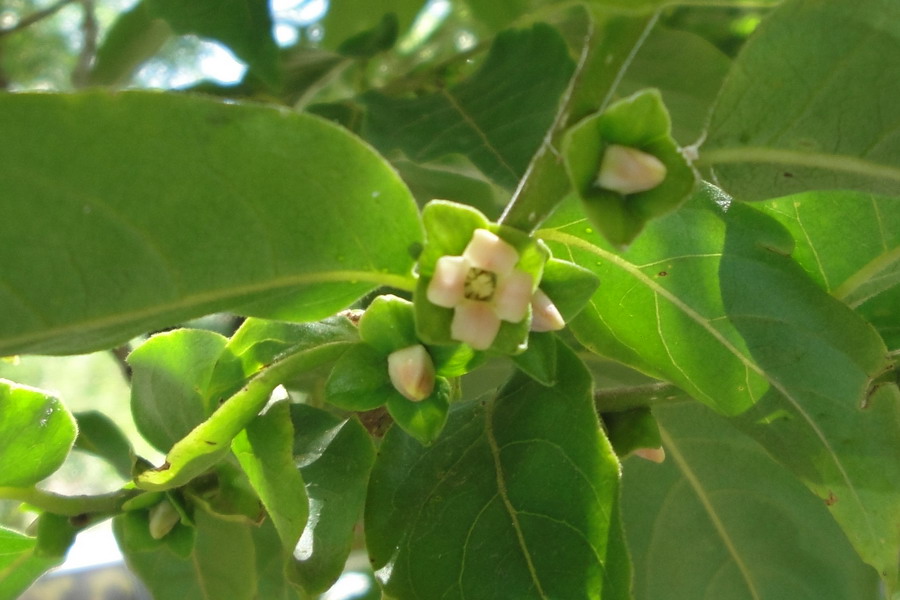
[656, 455]
[412, 372]
[545, 315]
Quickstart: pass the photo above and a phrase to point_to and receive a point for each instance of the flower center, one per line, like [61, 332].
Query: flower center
[480, 284]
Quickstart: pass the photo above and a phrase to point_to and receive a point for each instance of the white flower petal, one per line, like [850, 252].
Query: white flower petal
[487, 251]
[412, 372]
[544, 314]
[629, 170]
[475, 323]
[448, 283]
[513, 296]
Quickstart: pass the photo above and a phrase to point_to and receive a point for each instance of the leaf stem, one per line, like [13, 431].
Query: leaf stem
[68, 506]
[624, 398]
[208, 442]
[818, 160]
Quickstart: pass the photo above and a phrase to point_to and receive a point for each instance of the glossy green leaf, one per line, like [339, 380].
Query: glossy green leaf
[335, 457]
[711, 301]
[423, 420]
[265, 191]
[265, 452]
[640, 122]
[209, 441]
[221, 563]
[272, 581]
[753, 530]
[688, 72]
[360, 380]
[826, 118]
[100, 436]
[497, 117]
[849, 243]
[454, 179]
[388, 324]
[539, 360]
[618, 572]
[244, 26]
[20, 563]
[135, 36]
[569, 286]
[512, 501]
[171, 374]
[36, 434]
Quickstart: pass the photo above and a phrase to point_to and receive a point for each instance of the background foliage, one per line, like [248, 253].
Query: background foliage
[746, 318]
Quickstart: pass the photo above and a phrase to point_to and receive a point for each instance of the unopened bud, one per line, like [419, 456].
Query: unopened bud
[544, 314]
[656, 455]
[629, 170]
[163, 517]
[412, 372]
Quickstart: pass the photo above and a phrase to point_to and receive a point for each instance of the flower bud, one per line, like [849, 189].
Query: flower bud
[163, 517]
[656, 455]
[629, 170]
[412, 372]
[545, 315]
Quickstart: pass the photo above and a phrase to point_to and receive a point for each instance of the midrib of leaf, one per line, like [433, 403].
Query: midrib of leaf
[216, 296]
[504, 496]
[819, 160]
[201, 582]
[704, 499]
[568, 239]
[877, 265]
[478, 131]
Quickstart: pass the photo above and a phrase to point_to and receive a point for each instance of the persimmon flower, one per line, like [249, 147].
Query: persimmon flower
[629, 170]
[483, 287]
[412, 372]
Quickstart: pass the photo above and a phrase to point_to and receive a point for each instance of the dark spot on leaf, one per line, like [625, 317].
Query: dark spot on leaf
[788, 174]
[662, 274]
[163, 467]
[831, 499]
[210, 443]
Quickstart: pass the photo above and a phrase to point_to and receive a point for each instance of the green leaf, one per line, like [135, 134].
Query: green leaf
[389, 324]
[826, 118]
[265, 452]
[424, 420]
[513, 501]
[171, 374]
[134, 37]
[630, 430]
[20, 563]
[367, 44]
[360, 380]
[272, 581]
[335, 457]
[849, 243]
[220, 565]
[539, 360]
[266, 191]
[244, 26]
[209, 441]
[754, 531]
[712, 302]
[36, 434]
[497, 117]
[351, 17]
[688, 72]
[100, 436]
[569, 286]
[641, 122]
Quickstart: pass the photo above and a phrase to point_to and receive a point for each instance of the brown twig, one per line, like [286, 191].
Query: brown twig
[89, 32]
[35, 17]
